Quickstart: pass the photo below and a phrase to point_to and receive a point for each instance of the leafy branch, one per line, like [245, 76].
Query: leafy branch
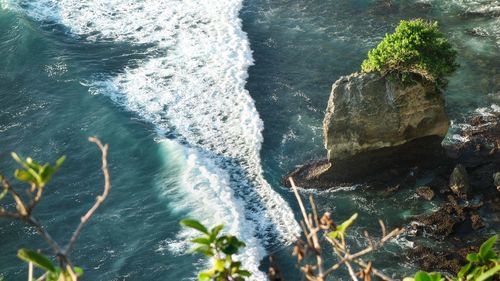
[220, 248]
[37, 176]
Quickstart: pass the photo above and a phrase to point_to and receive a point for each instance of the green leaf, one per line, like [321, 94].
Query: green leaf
[195, 225]
[37, 259]
[215, 231]
[201, 240]
[343, 227]
[229, 245]
[435, 276]
[340, 230]
[463, 271]
[245, 273]
[422, 276]
[205, 276]
[485, 248]
[46, 173]
[203, 249]
[78, 271]
[473, 257]
[60, 161]
[489, 273]
[23, 175]
[334, 234]
[219, 265]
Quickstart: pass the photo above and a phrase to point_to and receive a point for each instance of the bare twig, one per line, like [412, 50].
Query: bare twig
[312, 226]
[351, 271]
[99, 199]
[39, 228]
[30, 271]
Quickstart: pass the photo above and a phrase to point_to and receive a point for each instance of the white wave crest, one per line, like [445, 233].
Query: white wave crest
[192, 86]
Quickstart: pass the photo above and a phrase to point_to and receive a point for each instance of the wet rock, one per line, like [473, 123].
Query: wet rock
[431, 260]
[425, 192]
[496, 180]
[443, 222]
[459, 181]
[477, 222]
[449, 259]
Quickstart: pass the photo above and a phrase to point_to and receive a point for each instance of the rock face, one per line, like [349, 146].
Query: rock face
[368, 112]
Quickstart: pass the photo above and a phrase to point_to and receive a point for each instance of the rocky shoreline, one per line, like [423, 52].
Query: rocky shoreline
[386, 132]
[466, 216]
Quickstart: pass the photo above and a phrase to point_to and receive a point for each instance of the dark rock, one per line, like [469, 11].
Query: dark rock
[425, 192]
[431, 260]
[477, 222]
[459, 181]
[445, 260]
[496, 180]
[384, 165]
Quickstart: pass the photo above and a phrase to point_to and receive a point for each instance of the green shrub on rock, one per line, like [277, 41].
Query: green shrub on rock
[416, 46]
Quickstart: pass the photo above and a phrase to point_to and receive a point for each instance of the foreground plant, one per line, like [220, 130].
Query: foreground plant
[220, 248]
[482, 266]
[316, 229]
[37, 176]
[416, 46]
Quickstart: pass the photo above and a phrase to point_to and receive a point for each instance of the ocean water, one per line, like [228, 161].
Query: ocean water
[205, 105]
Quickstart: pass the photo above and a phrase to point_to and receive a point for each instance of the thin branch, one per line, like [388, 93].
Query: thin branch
[41, 278]
[374, 270]
[382, 226]
[30, 271]
[11, 215]
[299, 199]
[351, 272]
[21, 207]
[39, 228]
[99, 199]
[315, 210]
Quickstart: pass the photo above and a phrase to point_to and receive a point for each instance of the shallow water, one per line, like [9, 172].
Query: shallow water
[181, 91]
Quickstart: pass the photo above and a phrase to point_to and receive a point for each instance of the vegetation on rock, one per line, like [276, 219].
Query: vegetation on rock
[416, 46]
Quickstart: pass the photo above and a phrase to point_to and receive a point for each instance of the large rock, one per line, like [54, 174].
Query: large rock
[367, 112]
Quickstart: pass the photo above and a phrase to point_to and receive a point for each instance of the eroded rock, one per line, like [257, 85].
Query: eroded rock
[368, 112]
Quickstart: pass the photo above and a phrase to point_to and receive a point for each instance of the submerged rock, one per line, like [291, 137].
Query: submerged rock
[425, 192]
[477, 222]
[459, 181]
[368, 112]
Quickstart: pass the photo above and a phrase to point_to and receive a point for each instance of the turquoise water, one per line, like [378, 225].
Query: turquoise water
[181, 92]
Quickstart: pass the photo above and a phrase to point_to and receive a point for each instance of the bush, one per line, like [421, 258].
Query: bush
[416, 46]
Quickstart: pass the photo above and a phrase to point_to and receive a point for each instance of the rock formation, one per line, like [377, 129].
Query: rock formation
[367, 112]
[374, 123]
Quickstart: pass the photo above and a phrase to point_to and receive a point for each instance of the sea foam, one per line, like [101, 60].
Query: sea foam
[192, 88]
